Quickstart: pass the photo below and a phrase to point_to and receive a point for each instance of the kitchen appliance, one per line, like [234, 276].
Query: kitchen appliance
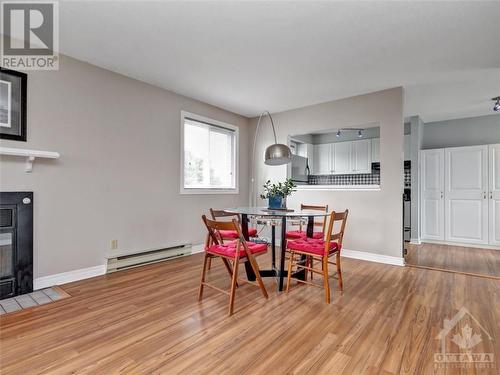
[299, 169]
[406, 215]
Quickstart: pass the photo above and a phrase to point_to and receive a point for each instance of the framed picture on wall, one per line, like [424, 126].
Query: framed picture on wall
[13, 105]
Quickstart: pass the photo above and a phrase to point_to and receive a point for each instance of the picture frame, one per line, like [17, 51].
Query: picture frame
[13, 88]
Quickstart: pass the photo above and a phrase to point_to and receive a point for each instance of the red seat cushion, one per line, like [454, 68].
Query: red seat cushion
[298, 234]
[252, 232]
[312, 246]
[229, 249]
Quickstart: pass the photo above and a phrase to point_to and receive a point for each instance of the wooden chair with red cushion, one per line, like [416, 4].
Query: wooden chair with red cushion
[231, 253]
[230, 234]
[320, 250]
[301, 233]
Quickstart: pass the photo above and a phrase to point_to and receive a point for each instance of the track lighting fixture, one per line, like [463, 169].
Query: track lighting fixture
[496, 107]
[358, 130]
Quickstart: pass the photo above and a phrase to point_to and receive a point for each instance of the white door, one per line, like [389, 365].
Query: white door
[376, 150]
[341, 158]
[466, 203]
[432, 192]
[322, 159]
[361, 156]
[494, 194]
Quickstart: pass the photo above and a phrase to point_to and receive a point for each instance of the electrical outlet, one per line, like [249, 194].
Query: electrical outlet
[114, 244]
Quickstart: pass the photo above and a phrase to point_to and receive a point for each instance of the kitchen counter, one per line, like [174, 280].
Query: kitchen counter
[340, 187]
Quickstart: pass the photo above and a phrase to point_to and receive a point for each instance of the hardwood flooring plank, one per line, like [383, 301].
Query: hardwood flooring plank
[148, 321]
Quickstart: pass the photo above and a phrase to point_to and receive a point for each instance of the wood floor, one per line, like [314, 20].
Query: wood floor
[147, 321]
[470, 260]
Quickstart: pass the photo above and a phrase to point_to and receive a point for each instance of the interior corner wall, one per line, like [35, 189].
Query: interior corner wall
[119, 172]
[375, 217]
[416, 125]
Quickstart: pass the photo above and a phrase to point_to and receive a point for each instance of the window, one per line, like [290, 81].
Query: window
[209, 156]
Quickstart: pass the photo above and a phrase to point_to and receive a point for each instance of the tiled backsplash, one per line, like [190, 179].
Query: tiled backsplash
[346, 179]
[354, 179]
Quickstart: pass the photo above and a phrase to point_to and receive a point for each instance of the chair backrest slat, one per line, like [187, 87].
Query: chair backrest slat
[221, 213]
[312, 207]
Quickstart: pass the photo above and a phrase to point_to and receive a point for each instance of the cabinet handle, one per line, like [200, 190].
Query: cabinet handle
[484, 195]
[491, 195]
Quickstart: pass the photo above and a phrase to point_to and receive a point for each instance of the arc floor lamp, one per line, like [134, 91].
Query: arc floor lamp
[276, 154]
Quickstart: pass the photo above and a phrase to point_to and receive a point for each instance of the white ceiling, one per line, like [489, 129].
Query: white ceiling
[250, 56]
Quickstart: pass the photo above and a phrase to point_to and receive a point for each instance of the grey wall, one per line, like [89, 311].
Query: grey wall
[375, 217]
[118, 175]
[462, 132]
[416, 144]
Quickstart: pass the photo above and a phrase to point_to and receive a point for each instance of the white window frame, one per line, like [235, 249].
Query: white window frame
[209, 121]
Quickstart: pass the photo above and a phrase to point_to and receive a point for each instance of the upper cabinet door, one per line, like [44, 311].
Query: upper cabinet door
[321, 162]
[466, 195]
[432, 192]
[376, 150]
[341, 158]
[361, 156]
[494, 194]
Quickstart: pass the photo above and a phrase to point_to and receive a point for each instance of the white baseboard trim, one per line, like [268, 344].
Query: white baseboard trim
[68, 277]
[197, 248]
[462, 244]
[415, 241]
[354, 254]
[371, 257]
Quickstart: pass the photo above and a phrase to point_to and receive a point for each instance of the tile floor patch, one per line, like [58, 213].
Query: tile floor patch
[36, 298]
[40, 297]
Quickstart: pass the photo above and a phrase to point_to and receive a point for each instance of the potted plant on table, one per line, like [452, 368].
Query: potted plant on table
[276, 193]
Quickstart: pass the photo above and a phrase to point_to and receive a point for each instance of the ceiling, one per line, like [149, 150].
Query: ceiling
[250, 56]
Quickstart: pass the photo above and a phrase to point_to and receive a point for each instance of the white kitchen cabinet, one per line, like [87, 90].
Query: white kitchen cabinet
[494, 194]
[375, 150]
[341, 158]
[432, 193]
[407, 147]
[322, 159]
[361, 156]
[466, 200]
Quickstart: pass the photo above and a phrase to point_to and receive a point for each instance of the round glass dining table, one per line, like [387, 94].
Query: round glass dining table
[275, 215]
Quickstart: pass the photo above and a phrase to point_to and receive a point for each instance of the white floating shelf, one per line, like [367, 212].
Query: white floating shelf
[30, 155]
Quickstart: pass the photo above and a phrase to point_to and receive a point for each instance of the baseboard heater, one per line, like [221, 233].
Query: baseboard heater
[130, 260]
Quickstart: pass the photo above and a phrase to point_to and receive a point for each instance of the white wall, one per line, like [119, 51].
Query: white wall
[118, 176]
[375, 217]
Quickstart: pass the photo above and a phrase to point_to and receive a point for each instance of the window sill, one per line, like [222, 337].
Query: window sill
[208, 191]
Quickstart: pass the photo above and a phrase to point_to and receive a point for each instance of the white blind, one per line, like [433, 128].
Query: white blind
[209, 156]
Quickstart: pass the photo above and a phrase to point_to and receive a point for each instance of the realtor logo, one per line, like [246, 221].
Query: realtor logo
[30, 35]
[465, 333]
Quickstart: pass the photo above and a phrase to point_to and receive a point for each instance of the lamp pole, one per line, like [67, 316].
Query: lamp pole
[276, 154]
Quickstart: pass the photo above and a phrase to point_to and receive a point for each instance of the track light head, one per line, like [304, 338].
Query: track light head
[496, 107]
[360, 134]
[338, 134]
